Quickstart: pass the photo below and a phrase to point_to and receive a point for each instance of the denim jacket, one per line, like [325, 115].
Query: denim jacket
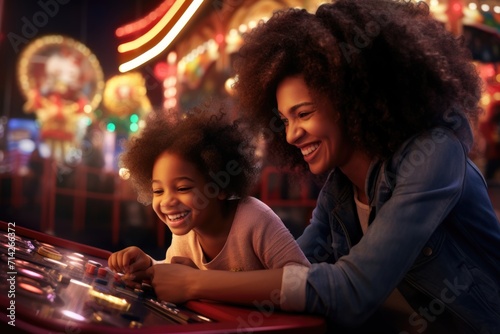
[433, 234]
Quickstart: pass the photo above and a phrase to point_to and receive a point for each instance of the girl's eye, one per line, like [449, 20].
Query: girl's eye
[183, 189]
[157, 191]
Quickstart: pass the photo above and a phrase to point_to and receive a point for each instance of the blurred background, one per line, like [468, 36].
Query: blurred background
[78, 77]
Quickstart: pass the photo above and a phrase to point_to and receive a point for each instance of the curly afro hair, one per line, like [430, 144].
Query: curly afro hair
[387, 67]
[206, 137]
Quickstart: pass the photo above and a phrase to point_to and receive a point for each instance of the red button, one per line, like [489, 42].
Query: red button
[101, 272]
[90, 269]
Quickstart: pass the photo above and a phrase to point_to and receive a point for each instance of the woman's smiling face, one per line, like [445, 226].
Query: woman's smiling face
[311, 126]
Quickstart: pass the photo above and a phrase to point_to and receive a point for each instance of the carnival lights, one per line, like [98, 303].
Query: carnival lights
[165, 41]
[148, 36]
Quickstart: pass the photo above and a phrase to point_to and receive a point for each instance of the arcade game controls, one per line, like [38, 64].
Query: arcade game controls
[50, 284]
[57, 283]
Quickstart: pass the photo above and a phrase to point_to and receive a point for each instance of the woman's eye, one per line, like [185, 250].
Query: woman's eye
[305, 114]
[285, 121]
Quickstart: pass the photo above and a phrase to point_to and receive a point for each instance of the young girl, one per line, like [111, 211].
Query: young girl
[197, 170]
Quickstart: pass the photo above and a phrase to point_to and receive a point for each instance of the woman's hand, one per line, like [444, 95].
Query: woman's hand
[183, 260]
[171, 282]
[131, 261]
[179, 283]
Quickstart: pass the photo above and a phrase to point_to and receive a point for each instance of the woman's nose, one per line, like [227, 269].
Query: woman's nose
[293, 132]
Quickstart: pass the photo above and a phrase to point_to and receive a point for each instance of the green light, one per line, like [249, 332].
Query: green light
[111, 127]
[134, 127]
[134, 118]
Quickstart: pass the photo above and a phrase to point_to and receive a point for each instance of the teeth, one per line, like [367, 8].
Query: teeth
[310, 149]
[177, 216]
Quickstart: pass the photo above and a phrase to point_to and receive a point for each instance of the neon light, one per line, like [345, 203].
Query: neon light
[132, 45]
[145, 21]
[165, 42]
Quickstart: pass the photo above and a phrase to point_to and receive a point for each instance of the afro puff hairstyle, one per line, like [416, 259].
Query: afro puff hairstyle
[206, 137]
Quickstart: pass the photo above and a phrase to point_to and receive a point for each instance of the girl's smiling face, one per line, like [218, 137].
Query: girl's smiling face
[180, 197]
[311, 126]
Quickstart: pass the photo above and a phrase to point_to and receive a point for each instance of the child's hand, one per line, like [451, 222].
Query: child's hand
[129, 261]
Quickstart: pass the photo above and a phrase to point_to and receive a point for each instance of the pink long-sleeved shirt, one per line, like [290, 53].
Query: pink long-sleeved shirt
[258, 239]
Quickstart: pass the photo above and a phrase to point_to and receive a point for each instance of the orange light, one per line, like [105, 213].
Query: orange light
[457, 8]
[219, 38]
[138, 42]
[165, 41]
[145, 21]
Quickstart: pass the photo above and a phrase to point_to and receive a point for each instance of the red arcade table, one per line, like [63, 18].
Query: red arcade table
[49, 284]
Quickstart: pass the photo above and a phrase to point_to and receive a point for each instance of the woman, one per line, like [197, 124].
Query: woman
[378, 96]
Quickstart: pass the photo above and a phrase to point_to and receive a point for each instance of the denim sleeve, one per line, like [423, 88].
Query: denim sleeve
[427, 182]
[316, 240]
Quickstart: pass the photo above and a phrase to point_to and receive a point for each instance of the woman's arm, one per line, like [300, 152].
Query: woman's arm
[179, 283]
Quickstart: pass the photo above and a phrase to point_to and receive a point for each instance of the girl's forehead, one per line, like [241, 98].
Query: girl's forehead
[173, 162]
